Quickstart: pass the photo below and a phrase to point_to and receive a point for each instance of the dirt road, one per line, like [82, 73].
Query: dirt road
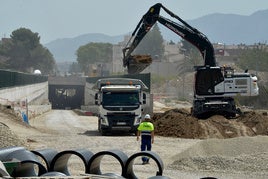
[234, 158]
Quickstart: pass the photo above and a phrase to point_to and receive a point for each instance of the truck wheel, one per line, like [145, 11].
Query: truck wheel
[99, 125]
[230, 115]
[103, 132]
[239, 111]
[134, 132]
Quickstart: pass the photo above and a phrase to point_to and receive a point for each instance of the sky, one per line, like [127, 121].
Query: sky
[55, 19]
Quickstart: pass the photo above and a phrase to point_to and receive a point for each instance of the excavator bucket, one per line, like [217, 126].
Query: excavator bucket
[137, 63]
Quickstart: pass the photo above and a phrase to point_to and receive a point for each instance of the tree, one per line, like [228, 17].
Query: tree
[42, 59]
[152, 44]
[92, 53]
[24, 52]
[26, 38]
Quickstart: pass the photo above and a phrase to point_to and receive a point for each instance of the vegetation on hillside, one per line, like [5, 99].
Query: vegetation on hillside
[92, 53]
[23, 52]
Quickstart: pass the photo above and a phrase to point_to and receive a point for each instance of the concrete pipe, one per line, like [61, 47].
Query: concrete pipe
[3, 171]
[60, 161]
[159, 177]
[47, 155]
[94, 163]
[7, 150]
[129, 173]
[28, 161]
[113, 175]
[53, 174]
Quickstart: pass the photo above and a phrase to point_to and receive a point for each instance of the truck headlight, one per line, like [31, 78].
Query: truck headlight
[137, 120]
[104, 121]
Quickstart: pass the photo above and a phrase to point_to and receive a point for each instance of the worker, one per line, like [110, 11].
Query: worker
[146, 131]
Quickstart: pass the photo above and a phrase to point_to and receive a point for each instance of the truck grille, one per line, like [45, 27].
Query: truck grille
[121, 119]
[120, 108]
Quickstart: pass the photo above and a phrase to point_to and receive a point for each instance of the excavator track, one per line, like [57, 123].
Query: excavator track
[137, 63]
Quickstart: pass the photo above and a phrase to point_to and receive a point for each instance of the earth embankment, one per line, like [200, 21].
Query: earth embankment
[180, 123]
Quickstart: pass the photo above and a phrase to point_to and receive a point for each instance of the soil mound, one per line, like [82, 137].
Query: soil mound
[241, 154]
[180, 123]
[8, 138]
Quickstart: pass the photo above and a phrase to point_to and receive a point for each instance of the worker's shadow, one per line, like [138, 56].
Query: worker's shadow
[90, 133]
[113, 134]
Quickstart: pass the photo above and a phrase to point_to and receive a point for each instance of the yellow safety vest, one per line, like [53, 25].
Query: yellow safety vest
[146, 128]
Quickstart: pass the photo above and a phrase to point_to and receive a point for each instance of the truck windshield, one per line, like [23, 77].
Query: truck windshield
[118, 99]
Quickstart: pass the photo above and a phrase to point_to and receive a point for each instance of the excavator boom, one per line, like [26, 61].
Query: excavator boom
[137, 63]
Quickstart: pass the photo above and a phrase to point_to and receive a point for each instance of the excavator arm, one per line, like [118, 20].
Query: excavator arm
[137, 63]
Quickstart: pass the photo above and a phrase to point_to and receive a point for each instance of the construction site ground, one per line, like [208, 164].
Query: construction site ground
[190, 148]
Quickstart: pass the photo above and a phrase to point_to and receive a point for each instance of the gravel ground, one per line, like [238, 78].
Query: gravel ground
[233, 158]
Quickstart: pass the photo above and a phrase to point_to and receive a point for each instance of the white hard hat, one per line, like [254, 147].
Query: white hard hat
[147, 116]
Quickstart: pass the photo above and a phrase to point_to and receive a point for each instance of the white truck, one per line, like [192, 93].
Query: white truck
[122, 103]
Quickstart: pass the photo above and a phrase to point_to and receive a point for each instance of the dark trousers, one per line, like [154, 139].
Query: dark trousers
[146, 145]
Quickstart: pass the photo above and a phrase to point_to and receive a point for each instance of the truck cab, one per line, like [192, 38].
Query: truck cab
[121, 104]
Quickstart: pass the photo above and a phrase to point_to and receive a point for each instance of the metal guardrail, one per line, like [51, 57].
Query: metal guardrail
[12, 78]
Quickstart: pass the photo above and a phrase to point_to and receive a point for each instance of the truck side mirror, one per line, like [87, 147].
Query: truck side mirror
[96, 99]
[143, 98]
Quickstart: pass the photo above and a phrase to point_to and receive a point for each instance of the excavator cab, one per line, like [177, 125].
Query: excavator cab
[206, 78]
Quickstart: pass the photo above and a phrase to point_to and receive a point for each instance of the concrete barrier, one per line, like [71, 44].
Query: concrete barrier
[8, 96]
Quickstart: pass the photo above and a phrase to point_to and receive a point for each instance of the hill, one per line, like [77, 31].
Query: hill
[229, 28]
[234, 29]
[223, 28]
[65, 49]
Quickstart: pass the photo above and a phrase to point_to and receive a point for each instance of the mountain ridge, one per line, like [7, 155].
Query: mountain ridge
[218, 27]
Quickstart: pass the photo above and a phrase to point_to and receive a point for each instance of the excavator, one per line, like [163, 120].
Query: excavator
[215, 87]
